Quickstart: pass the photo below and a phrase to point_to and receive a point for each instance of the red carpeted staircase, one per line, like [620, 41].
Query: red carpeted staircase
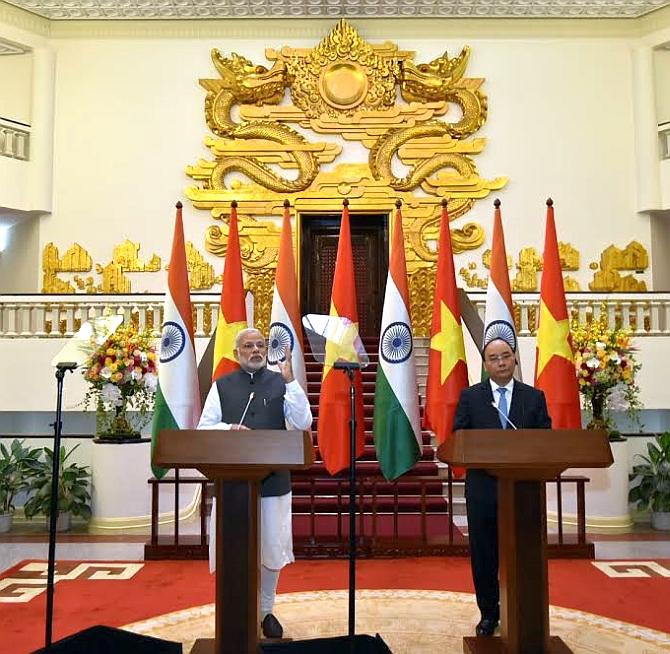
[410, 515]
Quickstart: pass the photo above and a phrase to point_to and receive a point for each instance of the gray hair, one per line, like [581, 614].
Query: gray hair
[243, 332]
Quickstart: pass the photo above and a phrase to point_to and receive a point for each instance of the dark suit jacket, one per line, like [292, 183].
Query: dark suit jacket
[528, 410]
[475, 411]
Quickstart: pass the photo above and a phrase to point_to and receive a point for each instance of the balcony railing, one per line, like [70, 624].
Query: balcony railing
[60, 316]
[664, 140]
[14, 140]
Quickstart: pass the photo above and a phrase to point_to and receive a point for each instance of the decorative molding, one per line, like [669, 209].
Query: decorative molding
[595, 524]
[29, 581]
[125, 524]
[264, 9]
[25, 20]
[11, 48]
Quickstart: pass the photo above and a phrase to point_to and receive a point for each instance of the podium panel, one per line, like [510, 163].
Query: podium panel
[236, 461]
[522, 460]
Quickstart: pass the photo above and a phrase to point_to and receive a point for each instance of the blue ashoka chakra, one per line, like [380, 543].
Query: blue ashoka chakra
[173, 340]
[280, 337]
[503, 330]
[396, 343]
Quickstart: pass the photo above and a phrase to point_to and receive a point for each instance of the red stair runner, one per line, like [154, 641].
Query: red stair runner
[410, 509]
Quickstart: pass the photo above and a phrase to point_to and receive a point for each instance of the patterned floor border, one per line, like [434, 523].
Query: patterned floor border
[411, 622]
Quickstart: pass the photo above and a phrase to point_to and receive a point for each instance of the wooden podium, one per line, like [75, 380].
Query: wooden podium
[523, 460]
[236, 461]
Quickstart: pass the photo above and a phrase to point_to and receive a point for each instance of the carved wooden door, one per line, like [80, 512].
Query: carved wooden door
[369, 242]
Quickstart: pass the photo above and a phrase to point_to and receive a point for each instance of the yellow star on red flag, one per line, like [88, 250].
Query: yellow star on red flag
[553, 338]
[448, 342]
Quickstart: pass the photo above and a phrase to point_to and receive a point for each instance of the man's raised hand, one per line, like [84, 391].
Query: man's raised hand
[286, 366]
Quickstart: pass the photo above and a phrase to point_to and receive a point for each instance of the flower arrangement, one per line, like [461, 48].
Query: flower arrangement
[122, 373]
[606, 369]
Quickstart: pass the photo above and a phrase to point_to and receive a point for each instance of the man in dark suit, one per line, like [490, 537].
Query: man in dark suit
[500, 402]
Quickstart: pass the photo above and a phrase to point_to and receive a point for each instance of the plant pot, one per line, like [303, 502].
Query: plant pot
[5, 522]
[660, 520]
[63, 522]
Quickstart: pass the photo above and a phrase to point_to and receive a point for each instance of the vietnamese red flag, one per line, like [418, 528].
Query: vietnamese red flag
[285, 326]
[232, 308]
[447, 367]
[554, 363]
[334, 403]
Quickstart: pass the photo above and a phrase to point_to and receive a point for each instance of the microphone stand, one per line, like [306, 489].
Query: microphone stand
[349, 369]
[61, 369]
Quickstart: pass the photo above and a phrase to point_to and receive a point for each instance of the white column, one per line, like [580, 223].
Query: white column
[42, 130]
[646, 131]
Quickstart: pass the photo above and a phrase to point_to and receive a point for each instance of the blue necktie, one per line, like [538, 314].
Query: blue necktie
[502, 406]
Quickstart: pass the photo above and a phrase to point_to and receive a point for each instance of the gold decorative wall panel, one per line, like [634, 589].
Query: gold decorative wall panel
[392, 129]
[113, 279]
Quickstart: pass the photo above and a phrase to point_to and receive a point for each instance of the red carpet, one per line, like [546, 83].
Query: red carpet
[163, 586]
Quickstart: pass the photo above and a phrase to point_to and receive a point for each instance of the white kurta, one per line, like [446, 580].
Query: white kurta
[276, 526]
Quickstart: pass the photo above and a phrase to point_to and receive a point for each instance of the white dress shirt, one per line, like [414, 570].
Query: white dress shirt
[276, 524]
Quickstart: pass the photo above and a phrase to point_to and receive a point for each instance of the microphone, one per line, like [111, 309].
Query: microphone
[493, 404]
[246, 408]
[67, 365]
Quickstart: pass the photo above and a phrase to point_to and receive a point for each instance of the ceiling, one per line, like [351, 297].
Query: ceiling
[203, 9]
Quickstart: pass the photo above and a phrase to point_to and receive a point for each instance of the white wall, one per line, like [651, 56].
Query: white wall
[16, 89]
[20, 262]
[662, 84]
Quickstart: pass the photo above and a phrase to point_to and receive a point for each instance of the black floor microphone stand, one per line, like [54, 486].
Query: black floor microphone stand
[350, 369]
[61, 369]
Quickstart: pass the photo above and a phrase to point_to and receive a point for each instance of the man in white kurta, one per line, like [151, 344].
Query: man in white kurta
[255, 397]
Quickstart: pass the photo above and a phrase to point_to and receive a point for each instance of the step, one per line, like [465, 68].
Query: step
[365, 468]
[380, 487]
[382, 504]
[368, 411]
[335, 527]
[370, 454]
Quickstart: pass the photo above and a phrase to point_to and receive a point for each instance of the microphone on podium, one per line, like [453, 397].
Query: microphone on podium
[493, 404]
[246, 408]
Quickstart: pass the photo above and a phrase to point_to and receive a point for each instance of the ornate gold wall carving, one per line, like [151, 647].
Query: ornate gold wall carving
[347, 88]
[125, 259]
[607, 277]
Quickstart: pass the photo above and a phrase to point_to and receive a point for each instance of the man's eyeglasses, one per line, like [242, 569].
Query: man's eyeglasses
[496, 358]
[251, 345]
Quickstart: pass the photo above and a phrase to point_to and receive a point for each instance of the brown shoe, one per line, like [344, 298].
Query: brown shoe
[272, 627]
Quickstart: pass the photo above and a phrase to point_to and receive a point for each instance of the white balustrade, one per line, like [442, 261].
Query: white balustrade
[14, 141]
[57, 316]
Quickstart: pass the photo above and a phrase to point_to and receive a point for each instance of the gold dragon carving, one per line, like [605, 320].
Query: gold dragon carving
[265, 118]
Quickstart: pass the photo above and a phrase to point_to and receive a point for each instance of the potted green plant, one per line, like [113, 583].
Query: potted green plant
[650, 482]
[17, 466]
[74, 498]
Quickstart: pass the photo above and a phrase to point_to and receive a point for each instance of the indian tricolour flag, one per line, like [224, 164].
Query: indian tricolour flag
[499, 320]
[177, 403]
[285, 327]
[396, 428]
